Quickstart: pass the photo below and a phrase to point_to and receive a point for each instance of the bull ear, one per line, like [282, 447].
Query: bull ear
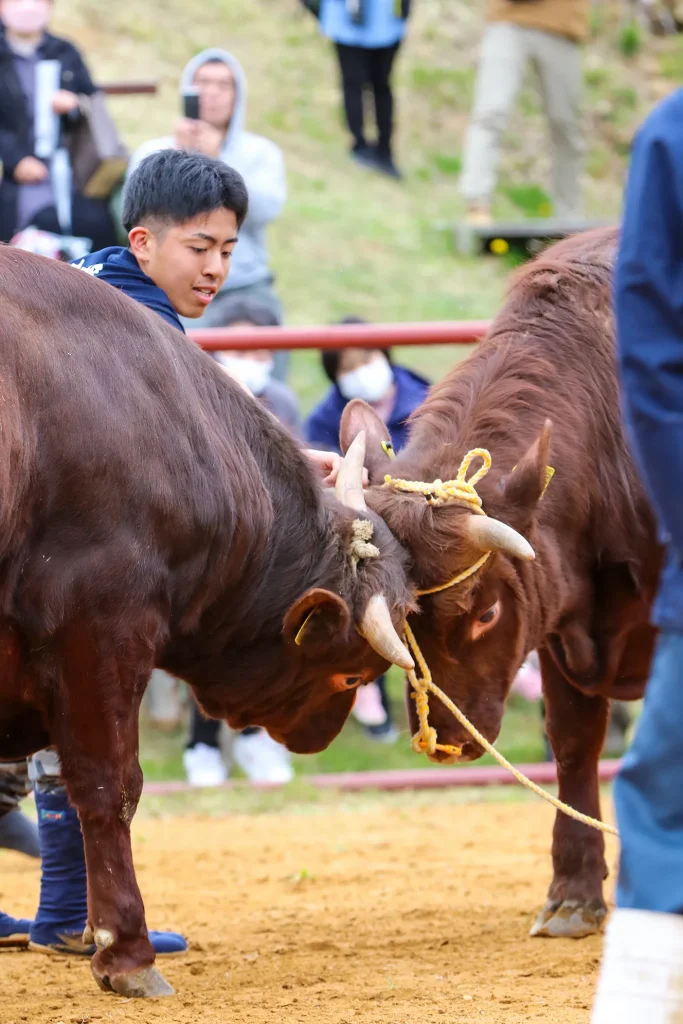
[314, 618]
[359, 416]
[526, 485]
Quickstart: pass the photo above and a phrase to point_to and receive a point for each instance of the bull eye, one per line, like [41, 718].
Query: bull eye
[485, 621]
[341, 682]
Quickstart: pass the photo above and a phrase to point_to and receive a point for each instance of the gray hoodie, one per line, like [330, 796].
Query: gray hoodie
[260, 163]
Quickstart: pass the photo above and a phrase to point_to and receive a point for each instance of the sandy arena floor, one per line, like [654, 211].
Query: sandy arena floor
[359, 915]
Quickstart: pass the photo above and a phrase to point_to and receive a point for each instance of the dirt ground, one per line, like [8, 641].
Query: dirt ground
[353, 915]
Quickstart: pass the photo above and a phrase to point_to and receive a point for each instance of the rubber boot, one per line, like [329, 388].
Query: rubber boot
[63, 909]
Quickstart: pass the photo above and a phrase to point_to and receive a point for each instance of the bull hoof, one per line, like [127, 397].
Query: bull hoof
[146, 983]
[570, 919]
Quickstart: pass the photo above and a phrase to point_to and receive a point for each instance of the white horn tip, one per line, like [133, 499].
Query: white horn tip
[405, 661]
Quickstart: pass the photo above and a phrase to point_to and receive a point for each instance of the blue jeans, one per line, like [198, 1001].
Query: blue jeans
[649, 792]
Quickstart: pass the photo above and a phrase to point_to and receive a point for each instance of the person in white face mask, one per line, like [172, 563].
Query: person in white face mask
[367, 373]
[394, 392]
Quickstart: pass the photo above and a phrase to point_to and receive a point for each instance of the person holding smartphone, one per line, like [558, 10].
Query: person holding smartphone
[213, 92]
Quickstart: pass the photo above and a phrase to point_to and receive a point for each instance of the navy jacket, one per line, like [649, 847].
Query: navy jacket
[649, 310]
[322, 426]
[118, 267]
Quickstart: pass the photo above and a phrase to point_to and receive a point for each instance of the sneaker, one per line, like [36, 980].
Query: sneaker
[384, 163]
[261, 758]
[17, 832]
[363, 155]
[204, 766]
[13, 931]
[478, 215]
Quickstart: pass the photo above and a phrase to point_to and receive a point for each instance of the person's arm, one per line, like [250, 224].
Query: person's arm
[67, 102]
[267, 186]
[649, 313]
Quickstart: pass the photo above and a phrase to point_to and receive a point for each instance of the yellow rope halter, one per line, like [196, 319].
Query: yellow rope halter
[425, 739]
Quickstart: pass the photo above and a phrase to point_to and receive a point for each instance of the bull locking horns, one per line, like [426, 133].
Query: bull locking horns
[491, 535]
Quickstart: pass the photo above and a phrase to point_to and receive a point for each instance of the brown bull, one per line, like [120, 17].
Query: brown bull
[152, 513]
[584, 601]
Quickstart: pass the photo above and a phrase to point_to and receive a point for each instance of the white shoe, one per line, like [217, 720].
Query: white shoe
[642, 969]
[261, 758]
[204, 766]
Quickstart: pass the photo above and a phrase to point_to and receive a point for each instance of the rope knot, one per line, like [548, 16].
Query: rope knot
[461, 489]
[360, 546]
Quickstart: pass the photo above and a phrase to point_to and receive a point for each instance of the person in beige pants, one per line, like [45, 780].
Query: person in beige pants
[547, 33]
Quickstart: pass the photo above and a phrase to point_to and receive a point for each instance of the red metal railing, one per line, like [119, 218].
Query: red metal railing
[454, 332]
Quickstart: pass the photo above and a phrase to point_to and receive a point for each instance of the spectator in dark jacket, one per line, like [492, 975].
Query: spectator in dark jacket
[393, 391]
[26, 193]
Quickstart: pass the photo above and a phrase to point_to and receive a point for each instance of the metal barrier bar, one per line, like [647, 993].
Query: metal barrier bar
[454, 332]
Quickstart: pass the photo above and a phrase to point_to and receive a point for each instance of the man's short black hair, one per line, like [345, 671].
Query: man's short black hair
[332, 356]
[173, 186]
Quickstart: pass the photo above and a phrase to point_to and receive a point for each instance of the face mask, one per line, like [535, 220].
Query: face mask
[26, 17]
[371, 381]
[253, 373]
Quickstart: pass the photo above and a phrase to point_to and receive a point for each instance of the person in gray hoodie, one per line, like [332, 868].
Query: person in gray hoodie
[220, 133]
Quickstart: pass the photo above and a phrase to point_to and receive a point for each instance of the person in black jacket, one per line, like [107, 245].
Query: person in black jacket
[26, 193]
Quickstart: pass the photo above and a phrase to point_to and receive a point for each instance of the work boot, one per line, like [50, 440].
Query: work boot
[63, 908]
[17, 832]
[13, 931]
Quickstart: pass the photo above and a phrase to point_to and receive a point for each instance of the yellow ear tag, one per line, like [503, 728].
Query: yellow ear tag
[549, 474]
[300, 635]
[388, 449]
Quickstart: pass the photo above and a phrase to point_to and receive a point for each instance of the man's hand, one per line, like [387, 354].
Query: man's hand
[198, 136]
[30, 171]
[209, 139]
[328, 465]
[63, 102]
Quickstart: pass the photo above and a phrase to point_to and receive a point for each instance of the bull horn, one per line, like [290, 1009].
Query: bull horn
[349, 485]
[491, 535]
[379, 631]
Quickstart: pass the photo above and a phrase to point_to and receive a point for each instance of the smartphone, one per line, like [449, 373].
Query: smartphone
[191, 104]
